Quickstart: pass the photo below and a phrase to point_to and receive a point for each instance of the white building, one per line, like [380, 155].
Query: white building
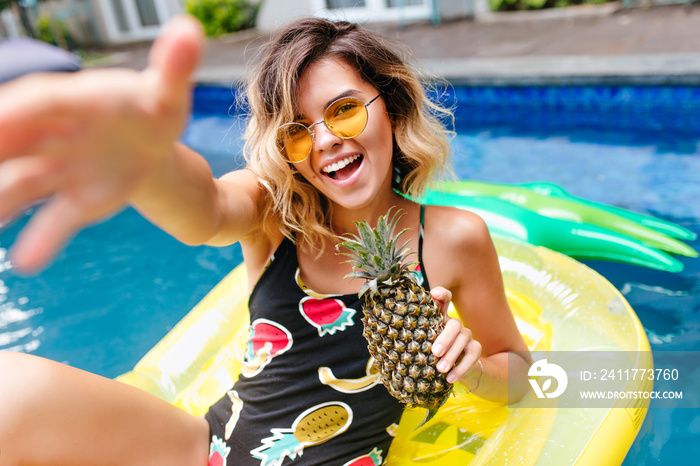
[124, 21]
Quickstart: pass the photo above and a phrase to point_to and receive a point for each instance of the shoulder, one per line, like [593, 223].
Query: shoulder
[457, 249]
[457, 228]
[245, 179]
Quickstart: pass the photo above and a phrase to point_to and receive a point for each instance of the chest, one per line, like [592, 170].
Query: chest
[327, 272]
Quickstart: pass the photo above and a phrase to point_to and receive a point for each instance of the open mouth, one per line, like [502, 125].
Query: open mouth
[343, 169]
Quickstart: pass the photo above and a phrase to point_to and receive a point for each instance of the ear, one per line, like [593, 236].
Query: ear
[394, 123]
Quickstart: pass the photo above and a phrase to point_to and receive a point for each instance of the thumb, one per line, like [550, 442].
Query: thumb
[177, 51]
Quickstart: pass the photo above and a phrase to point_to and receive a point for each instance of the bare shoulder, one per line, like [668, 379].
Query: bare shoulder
[245, 179]
[457, 229]
[457, 248]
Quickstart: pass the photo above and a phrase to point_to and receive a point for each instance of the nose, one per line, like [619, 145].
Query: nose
[324, 138]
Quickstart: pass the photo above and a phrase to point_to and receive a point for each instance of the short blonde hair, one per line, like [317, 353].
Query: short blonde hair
[421, 142]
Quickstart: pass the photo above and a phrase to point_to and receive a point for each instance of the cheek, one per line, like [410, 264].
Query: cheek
[382, 136]
[306, 173]
[304, 168]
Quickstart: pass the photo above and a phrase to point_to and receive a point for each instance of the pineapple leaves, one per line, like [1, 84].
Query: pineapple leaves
[366, 235]
[374, 254]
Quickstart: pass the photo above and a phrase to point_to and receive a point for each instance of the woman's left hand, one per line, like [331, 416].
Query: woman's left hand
[455, 346]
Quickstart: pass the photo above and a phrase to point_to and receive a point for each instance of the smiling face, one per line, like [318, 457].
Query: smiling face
[352, 173]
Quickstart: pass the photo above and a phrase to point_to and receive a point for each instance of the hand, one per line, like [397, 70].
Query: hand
[457, 350]
[86, 141]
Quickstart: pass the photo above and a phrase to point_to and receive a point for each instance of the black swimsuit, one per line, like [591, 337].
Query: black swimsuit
[308, 393]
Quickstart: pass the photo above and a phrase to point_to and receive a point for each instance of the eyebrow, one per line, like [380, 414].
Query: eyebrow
[347, 93]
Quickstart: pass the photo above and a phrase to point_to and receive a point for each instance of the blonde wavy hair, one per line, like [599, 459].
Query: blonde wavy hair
[421, 142]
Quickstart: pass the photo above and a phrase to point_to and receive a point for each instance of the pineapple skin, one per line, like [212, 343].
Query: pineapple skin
[401, 323]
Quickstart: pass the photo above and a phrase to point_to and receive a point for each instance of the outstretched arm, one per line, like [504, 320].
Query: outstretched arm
[91, 142]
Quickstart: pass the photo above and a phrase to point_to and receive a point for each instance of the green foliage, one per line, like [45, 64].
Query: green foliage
[55, 32]
[5, 4]
[223, 16]
[511, 5]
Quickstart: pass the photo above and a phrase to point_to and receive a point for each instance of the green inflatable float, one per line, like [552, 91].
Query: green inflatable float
[544, 214]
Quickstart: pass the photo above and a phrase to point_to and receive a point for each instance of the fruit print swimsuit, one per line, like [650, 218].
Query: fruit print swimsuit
[308, 393]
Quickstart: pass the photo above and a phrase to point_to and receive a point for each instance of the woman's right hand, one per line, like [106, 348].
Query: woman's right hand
[87, 141]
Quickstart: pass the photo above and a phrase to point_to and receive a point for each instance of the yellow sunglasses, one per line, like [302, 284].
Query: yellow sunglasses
[345, 117]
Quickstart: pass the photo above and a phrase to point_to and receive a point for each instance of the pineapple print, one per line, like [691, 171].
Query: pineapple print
[401, 319]
[218, 452]
[314, 426]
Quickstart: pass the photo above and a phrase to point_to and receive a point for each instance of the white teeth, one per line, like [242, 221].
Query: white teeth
[341, 164]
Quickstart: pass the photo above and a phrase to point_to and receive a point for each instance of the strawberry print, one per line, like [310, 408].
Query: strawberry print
[267, 339]
[328, 315]
[373, 458]
[419, 274]
[218, 452]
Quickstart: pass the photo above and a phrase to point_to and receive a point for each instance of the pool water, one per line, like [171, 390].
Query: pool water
[122, 284]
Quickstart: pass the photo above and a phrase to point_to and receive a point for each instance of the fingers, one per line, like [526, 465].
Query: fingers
[176, 53]
[457, 350]
[32, 113]
[443, 296]
[46, 234]
[24, 182]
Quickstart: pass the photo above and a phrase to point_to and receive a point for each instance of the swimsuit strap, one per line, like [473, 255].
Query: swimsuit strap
[420, 247]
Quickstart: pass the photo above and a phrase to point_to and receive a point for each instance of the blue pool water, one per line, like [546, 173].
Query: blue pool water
[122, 284]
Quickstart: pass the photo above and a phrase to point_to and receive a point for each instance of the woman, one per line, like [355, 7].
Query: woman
[99, 140]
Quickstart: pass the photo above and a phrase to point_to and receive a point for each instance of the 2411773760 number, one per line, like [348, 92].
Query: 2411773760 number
[632, 374]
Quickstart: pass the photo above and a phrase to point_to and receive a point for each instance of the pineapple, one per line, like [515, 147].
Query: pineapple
[401, 319]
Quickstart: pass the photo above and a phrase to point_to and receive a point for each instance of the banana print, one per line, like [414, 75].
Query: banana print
[236, 407]
[325, 375]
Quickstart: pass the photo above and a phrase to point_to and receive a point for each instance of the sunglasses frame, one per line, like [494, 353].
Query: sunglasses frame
[312, 133]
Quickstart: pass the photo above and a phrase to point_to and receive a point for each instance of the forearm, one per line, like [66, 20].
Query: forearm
[504, 377]
[181, 197]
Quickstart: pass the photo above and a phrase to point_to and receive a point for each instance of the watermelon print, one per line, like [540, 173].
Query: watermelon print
[218, 452]
[267, 339]
[328, 315]
[373, 458]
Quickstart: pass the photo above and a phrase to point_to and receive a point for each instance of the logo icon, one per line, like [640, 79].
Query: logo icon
[547, 371]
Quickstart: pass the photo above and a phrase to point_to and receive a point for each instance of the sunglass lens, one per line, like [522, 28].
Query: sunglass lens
[346, 118]
[294, 140]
